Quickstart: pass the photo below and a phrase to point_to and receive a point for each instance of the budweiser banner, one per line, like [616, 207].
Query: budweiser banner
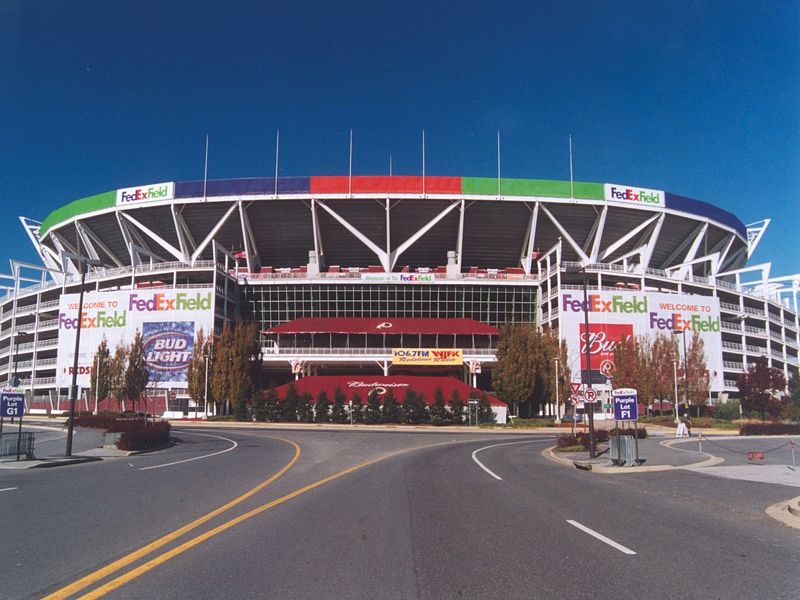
[613, 316]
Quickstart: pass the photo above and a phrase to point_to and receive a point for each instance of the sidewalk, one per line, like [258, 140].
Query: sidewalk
[87, 446]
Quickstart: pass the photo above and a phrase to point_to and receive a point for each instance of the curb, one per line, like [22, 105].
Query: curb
[787, 512]
[550, 454]
[46, 463]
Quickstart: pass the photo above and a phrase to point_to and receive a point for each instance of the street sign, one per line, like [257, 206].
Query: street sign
[626, 405]
[576, 387]
[12, 404]
[472, 402]
[590, 395]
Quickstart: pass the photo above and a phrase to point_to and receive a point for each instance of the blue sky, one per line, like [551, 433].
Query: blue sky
[698, 98]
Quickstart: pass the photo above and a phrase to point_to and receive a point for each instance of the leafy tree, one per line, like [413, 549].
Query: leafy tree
[288, 407]
[322, 408]
[116, 375]
[792, 410]
[763, 389]
[136, 376]
[339, 414]
[699, 379]
[357, 408]
[663, 352]
[260, 407]
[456, 405]
[305, 411]
[236, 363]
[373, 414]
[439, 414]
[391, 411]
[523, 375]
[100, 380]
[485, 412]
[414, 410]
[271, 405]
[196, 372]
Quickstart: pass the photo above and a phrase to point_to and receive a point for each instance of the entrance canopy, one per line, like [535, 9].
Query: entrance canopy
[364, 384]
[356, 325]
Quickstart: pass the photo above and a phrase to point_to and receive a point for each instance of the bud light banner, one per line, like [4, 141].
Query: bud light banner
[168, 348]
[167, 319]
[616, 315]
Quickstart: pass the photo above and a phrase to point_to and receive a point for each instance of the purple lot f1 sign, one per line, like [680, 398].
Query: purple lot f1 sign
[168, 348]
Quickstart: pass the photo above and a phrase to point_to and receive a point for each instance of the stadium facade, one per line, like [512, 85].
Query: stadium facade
[345, 274]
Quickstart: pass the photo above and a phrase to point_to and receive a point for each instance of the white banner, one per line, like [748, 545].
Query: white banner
[168, 320]
[614, 192]
[614, 316]
[146, 193]
[398, 277]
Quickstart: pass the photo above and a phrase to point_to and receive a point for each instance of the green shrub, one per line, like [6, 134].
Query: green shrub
[769, 429]
[727, 411]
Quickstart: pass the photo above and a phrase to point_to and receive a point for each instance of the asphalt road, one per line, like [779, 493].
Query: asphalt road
[425, 521]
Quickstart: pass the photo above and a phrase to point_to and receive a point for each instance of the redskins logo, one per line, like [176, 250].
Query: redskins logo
[384, 325]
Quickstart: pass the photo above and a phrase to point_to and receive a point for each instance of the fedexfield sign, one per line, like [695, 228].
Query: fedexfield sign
[614, 316]
[167, 319]
[614, 192]
[146, 193]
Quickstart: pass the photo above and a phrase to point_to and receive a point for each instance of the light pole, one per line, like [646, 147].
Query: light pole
[675, 378]
[558, 403]
[682, 333]
[572, 269]
[73, 392]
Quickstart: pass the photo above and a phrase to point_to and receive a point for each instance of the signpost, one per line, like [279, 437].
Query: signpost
[590, 395]
[12, 404]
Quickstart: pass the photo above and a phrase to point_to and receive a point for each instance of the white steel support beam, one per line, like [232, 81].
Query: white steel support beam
[460, 240]
[723, 247]
[100, 244]
[388, 213]
[213, 233]
[49, 258]
[126, 236]
[91, 251]
[647, 254]
[530, 235]
[681, 247]
[154, 237]
[626, 238]
[316, 232]
[597, 231]
[63, 246]
[421, 232]
[185, 239]
[691, 254]
[250, 248]
[382, 256]
[565, 234]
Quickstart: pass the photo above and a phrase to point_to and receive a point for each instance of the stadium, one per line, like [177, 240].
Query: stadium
[386, 276]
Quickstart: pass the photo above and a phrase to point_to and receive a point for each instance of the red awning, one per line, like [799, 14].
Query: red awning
[381, 326]
[363, 384]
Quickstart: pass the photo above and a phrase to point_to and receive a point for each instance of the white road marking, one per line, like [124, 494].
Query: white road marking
[7, 489]
[485, 468]
[177, 462]
[601, 537]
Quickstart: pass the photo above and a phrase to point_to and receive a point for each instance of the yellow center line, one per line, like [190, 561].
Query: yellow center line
[115, 566]
[158, 560]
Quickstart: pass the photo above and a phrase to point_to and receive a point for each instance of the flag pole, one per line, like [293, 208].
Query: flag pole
[205, 172]
[277, 154]
[571, 183]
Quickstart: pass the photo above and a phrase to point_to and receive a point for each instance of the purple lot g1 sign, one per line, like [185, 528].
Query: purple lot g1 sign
[167, 319]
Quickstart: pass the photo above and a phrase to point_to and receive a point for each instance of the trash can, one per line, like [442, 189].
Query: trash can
[623, 450]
